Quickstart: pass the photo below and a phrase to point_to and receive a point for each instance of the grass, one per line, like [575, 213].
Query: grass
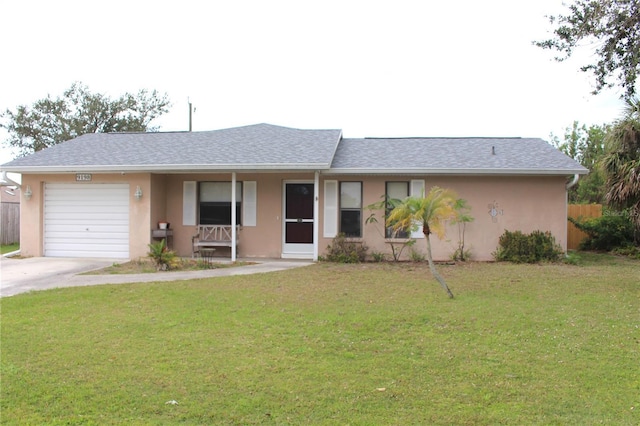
[8, 248]
[333, 344]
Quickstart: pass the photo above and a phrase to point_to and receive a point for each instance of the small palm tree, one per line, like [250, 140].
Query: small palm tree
[461, 219]
[621, 163]
[430, 211]
[163, 258]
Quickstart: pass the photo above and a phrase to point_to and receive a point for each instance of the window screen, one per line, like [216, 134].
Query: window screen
[215, 203]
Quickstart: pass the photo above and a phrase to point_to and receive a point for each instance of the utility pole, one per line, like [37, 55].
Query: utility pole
[190, 114]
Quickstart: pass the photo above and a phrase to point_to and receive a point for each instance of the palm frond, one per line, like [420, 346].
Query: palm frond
[431, 211]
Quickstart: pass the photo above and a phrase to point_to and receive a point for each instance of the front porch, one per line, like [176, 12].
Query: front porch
[276, 215]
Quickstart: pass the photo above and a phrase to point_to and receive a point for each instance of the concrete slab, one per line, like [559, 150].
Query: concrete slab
[41, 273]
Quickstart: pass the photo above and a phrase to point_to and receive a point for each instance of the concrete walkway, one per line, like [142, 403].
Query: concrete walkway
[41, 273]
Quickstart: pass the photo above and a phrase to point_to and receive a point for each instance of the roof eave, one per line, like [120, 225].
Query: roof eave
[167, 168]
[323, 167]
[420, 171]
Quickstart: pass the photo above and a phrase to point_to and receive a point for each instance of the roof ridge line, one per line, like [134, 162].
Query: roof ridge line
[441, 137]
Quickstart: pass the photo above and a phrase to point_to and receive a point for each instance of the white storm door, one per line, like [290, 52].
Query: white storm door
[298, 220]
[86, 220]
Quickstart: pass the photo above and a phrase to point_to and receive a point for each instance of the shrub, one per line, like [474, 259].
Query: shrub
[376, 256]
[606, 232]
[572, 258]
[629, 251]
[344, 251]
[461, 255]
[416, 256]
[527, 248]
[164, 259]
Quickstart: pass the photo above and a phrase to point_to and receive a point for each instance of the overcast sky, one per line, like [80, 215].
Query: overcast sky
[370, 68]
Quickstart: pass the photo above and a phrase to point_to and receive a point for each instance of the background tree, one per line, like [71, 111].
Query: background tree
[430, 211]
[621, 164]
[585, 145]
[613, 28]
[51, 121]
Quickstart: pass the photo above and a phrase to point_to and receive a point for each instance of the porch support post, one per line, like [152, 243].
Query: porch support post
[233, 217]
[316, 210]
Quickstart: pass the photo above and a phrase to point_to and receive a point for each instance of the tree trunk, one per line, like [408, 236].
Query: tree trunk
[432, 267]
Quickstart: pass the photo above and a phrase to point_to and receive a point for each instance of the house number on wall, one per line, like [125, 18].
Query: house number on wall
[83, 177]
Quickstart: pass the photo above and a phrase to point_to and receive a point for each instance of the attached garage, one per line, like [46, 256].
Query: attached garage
[86, 220]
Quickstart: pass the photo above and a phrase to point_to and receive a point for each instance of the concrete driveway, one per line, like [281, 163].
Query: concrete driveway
[42, 273]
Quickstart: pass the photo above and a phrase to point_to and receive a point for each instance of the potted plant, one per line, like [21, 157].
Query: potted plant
[163, 224]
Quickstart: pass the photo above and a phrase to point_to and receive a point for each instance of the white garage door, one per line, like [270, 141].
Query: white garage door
[86, 220]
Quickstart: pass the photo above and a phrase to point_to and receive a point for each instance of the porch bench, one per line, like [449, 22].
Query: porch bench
[212, 236]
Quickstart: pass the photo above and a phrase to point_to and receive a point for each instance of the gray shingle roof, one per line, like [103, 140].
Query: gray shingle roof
[452, 156]
[268, 147]
[259, 146]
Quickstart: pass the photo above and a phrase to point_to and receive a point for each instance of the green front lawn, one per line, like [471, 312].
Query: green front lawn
[8, 248]
[368, 344]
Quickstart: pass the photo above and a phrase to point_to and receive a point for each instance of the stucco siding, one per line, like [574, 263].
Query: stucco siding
[519, 203]
[31, 217]
[523, 203]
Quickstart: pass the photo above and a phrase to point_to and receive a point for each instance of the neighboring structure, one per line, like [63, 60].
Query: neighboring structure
[101, 195]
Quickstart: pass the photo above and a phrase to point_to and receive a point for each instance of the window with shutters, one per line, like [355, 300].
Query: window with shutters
[351, 209]
[214, 203]
[395, 191]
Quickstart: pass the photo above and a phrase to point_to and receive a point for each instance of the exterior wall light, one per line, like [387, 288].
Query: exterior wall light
[138, 193]
[28, 193]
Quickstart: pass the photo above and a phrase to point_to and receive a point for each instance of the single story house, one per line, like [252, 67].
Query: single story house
[294, 190]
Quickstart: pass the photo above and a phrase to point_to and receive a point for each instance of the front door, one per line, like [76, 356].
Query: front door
[298, 220]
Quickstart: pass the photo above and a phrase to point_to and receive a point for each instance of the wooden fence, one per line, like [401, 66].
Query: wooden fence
[574, 235]
[9, 223]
